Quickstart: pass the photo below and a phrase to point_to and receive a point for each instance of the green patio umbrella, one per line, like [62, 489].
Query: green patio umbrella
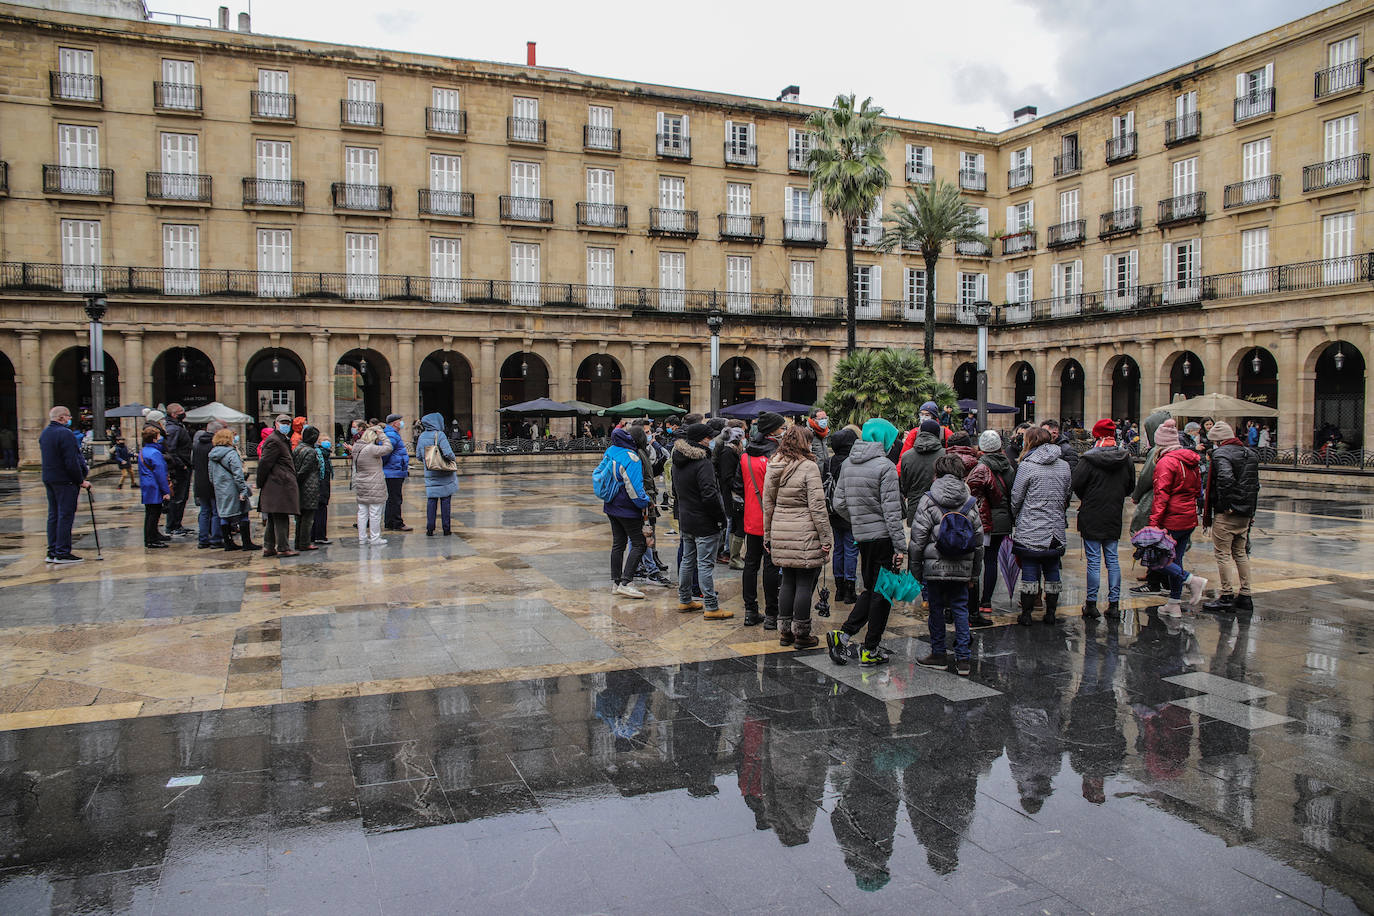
[643, 407]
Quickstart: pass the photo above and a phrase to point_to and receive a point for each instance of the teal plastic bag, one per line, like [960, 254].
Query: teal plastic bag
[896, 587]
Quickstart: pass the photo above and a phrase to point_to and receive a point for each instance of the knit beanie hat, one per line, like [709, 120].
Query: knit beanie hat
[1167, 434]
[1193, 428]
[770, 423]
[1221, 431]
[696, 432]
[1103, 429]
[930, 426]
[990, 441]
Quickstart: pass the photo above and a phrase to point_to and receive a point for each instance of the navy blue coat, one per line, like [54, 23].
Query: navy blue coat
[62, 461]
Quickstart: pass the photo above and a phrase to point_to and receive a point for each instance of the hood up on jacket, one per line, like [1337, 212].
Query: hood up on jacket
[310, 435]
[621, 436]
[219, 451]
[761, 448]
[434, 421]
[841, 441]
[1107, 458]
[949, 493]
[880, 431]
[1153, 422]
[866, 451]
[685, 452]
[266, 431]
[997, 462]
[1043, 454]
[927, 443]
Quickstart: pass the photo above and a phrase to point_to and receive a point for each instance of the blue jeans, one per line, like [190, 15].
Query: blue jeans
[1175, 572]
[1096, 551]
[948, 598]
[61, 514]
[209, 527]
[699, 557]
[845, 563]
[442, 504]
[1031, 571]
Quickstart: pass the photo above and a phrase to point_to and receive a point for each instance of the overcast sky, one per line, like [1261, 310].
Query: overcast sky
[964, 63]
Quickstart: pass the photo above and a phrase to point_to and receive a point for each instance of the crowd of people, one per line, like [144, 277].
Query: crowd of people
[781, 501]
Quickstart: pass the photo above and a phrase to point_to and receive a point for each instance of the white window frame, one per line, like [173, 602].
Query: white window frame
[600, 197]
[274, 263]
[525, 179]
[739, 284]
[800, 142]
[1254, 258]
[362, 172]
[181, 259]
[1182, 271]
[179, 84]
[524, 110]
[600, 277]
[75, 74]
[78, 158]
[274, 90]
[361, 95]
[445, 269]
[524, 274]
[973, 287]
[739, 198]
[273, 163]
[802, 280]
[81, 255]
[445, 183]
[739, 143]
[672, 281]
[180, 163]
[914, 292]
[868, 290]
[1120, 280]
[920, 163]
[600, 127]
[674, 136]
[1339, 261]
[1067, 283]
[672, 203]
[362, 265]
[447, 105]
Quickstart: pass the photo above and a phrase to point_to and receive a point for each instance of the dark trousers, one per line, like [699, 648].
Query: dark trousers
[61, 514]
[794, 598]
[871, 608]
[391, 518]
[151, 513]
[948, 600]
[990, 569]
[209, 524]
[754, 557]
[317, 530]
[442, 504]
[305, 523]
[176, 504]
[623, 531]
[276, 531]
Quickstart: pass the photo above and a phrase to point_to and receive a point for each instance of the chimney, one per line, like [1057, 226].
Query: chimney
[790, 94]
[1024, 115]
[224, 18]
[529, 54]
[245, 23]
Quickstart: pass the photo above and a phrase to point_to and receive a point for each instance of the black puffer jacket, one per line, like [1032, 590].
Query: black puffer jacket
[1067, 450]
[917, 470]
[1102, 480]
[1000, 514]
[699, 509]
[1234, 483]
[201, 486]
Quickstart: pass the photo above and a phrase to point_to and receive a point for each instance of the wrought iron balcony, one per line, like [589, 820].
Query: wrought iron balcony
[455, 204]
[1065, 234]
[1018, 242]
[674, 146]
[451, 122]
[1119, 222]
[174, 187]
[374, 198]
[810, 232]
[273, 192]
[1253, 191]
[1337, 79]
[601, 139]
[603, 216]
[973, 180]
[673, 223]
[526, 209]
[920, 172]
[1335, 173]
[1020, 177]
[1121, 147]
[746, 228]
[1185, 208]
[356, 113]
[746, 154]
[796, 159]
[79, 88]
[69, 179]
[973, 249]
[180, 97]
[272, 106]
[1254, 103]
[1069, 163]
[868, 233]
[1182, 129]
[526, 130]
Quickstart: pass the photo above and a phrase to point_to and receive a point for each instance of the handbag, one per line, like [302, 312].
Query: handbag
[436, 460]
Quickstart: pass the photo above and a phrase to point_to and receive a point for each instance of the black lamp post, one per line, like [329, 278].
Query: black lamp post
[96, 306]
[713, 323]
[982, 309]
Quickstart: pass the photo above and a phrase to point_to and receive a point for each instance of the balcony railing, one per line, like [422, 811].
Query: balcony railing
[1254, 103]
[1185, 208]
[1121, 147]
[272, 106]
[1183, 128]
[184, 97]
[374, 198]
[85, 88]
[673, 146]
[603, 216]
[920, 172]
[526, 209]
[1252, 191]
[1339, 78]
[273, 192]
[675, 223]
[741, 154]
[973, 249]
[1065, 234]
[457, 204]
[1018, 242]
[601, 139]
[170, 186]
[1020, 176]
[1335, 173]
[868, 233]
[1069, 163]
[1298, 277]
[973, 180]
[69, 179]
[1119, 222]
[451, 122]
[804, 232]
[357, 113]
[526, 130]
[748, 228]
[796, 159]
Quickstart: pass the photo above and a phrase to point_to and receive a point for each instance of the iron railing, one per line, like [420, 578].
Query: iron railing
[1251, 191]
[675, 223]
[1069, 233]
[741, 154]
[272, 106]
[526, 209]
[86, 88]
[601, 139]
[1297, 277]
[273, 192]
[176, 186]
[973, 180]
[973, 249]
[1183, 128]
[1018, 242]
[71, 179]
[1119, 222]
[358, 113]
[1335, 172]
[452, 122]
[1254, 103]
[804, 232]
[1020, 176]
[869, 233]
[1068, 163]
[1185, 208]
[748, 228]
[673, 146]
[919, 172]
[1121, 147]
[1349, 75]
[796, 159]
[602, 216]
[364, 197]
[176, 97]
[527, 130]
[446, 203]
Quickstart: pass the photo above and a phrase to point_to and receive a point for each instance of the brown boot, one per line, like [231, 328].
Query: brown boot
[801, 635]
[718, 614]
[785, 632]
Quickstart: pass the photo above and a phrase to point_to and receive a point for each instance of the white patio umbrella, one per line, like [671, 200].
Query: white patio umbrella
[1217, 405]
[217, 411]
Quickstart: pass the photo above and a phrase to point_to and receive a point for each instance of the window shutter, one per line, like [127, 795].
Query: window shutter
[660, 123]
[686, 128]
[749, 133]
[1077, 276]
[875, 290]
[1030, 212]
[1011, 286]
[1168, 262]
[1108, 273]
[729, 133]
[1057, 281]
[1269, 75]
[1011, 219]
[1240, 84]
[980, 162]
[929, 158]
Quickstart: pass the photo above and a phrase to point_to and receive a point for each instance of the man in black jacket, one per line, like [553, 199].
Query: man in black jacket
[1102, 479]
[176, 448]
[701, 519]
[64, 475]
[1232, 495]
[1061, 439]
[208, 529]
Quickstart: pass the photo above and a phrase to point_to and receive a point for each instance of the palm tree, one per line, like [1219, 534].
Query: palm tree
[928, 219]
[849, 172]
[883, 383]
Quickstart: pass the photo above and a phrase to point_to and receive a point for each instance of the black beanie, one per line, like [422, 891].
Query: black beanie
[770, 423]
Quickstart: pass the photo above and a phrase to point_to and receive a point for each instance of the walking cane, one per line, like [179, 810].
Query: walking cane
[90, 501]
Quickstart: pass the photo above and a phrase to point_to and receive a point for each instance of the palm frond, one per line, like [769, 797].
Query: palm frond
[891, 384]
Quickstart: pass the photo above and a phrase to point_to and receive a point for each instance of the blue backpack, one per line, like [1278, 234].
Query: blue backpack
[955, 536]
[606, 479]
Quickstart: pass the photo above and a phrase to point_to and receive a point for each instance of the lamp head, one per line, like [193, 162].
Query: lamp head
[714, 321]
[982, 310]
[96, 306]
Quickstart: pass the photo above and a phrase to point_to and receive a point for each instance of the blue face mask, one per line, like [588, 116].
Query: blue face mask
[400, 424]
[823, 422]
[236, 440]
[325, 445]
[284, 428]
[67, 423]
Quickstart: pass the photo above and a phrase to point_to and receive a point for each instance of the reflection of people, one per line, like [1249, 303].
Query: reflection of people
[1163, 731]
[865, 817]
[1034, 747]
[1096, 740]
[624, 706]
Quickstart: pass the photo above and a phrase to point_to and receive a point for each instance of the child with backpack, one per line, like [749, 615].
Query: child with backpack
[946, 555]
[618, 482]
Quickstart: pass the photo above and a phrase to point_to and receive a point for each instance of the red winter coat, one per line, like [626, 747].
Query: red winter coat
[755, 456]
[1176, 487]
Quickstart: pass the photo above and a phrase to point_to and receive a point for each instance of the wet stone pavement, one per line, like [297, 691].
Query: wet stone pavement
[472, 724]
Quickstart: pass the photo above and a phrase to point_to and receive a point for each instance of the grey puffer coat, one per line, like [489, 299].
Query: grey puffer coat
[226, 476]
[946, 494]
[1040, 499]
[796, 524]
[369, 484]
[866, 495]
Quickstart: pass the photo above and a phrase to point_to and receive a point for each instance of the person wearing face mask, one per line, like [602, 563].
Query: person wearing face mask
[819, 424]
[176, 448]
[307, 461]
[318, 535]
[64, 475]
[231, 489]
[155, 486]
[396, 470]
[279, 495]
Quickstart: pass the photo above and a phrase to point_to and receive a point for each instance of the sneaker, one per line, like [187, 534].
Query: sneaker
[626, 590]
[1196, 585]
[770, 623]
[1170, 609]
[836, 644]
[663, 581]
[934, 660]
[66, 559]
[322, 542]
[1145, 589]
[50, 559]
[869, 659]
[362, 542]
[963, 667]
[690, 606]
[719, 613]
[376, 542]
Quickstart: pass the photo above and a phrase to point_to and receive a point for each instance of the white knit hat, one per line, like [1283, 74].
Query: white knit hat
[990, 441]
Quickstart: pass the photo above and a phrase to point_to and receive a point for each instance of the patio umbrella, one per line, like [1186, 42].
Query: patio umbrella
[748, 410]
[127, 410]
[586, 406]
[543, 407]
[643, 407]
[969, 404]
[217, 411]
[1217, 405]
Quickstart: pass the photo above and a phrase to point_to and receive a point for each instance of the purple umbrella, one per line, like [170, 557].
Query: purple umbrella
[1010, 566]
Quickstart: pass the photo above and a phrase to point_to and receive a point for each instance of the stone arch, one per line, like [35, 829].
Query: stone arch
[739, 380]
[600, 380]
[1185, 372]
[445, 379]
[1069, 378]
[1338, 370]
[524, 377]
[1122, 376]
[966, 380]
[362, 386]
[71, 382]
[801, 380]
[670, 381]
[9, 409]
[184, 375]
[1261, 384]
[276, 383]
[1021, 381]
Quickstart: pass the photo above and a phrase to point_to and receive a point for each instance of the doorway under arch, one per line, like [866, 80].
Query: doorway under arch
[1125, 375]
[71, 382]
[276, 385]
[1338, 408]
[185, 376]
[670, 382]
[801, 381]
[446, 389]
[738, 381]
[599, 380]
[362, 387]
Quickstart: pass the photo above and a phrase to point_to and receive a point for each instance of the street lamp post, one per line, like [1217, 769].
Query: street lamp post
[714, 322]
[983, 310]
[96, 306]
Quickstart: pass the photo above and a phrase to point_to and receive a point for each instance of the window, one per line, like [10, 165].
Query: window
[803, 213]
[446, 115]
[1020, 174]
[445, 269]
[524, 190]
[360, 178]
[600, 197]
[81, 255]
[1343, 59]
[1068, 206]
[972, 288]
[274, 262]
[1119, 273]
[803, 277]
[920, 163]
[1123, 124]
[869, 230]
[524, 125]
[1254, 92]
[76, 75]
[180, 162]
[600, 127]
[1067, 281]
[1123, 192]
[1069, 160]
[1338, 247]
[739, 283]
[1021, 285]
[360, 107]
[673, 139]
[799, 144]
[1185, 176]
[274, 171]
[361, 274]
[1185, 104]
[445, 172]
[179, 85]
[274, 94]
[737, 209]
[78, 158]
[444, 99]
[1254, 257]
[524, 273]
[1254, 160]
[739, 143]
[914, 292]
[1187, 123]
[1182, 271]
[601, 277]
[672, 202]
[181, 260]
[672, 280]
[1020, 217]
[971, 173]
[868, 290]
[1341, 137]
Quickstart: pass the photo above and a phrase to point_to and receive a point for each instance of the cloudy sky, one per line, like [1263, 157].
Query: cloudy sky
[964, 63]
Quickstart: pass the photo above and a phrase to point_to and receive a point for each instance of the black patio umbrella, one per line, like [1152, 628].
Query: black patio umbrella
[127, 410]
[543, 407]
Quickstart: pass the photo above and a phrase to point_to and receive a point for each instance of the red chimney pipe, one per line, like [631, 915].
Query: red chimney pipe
[529, 54]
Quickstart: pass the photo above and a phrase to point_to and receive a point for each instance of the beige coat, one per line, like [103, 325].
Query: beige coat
[369, 486]
[795, 520]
